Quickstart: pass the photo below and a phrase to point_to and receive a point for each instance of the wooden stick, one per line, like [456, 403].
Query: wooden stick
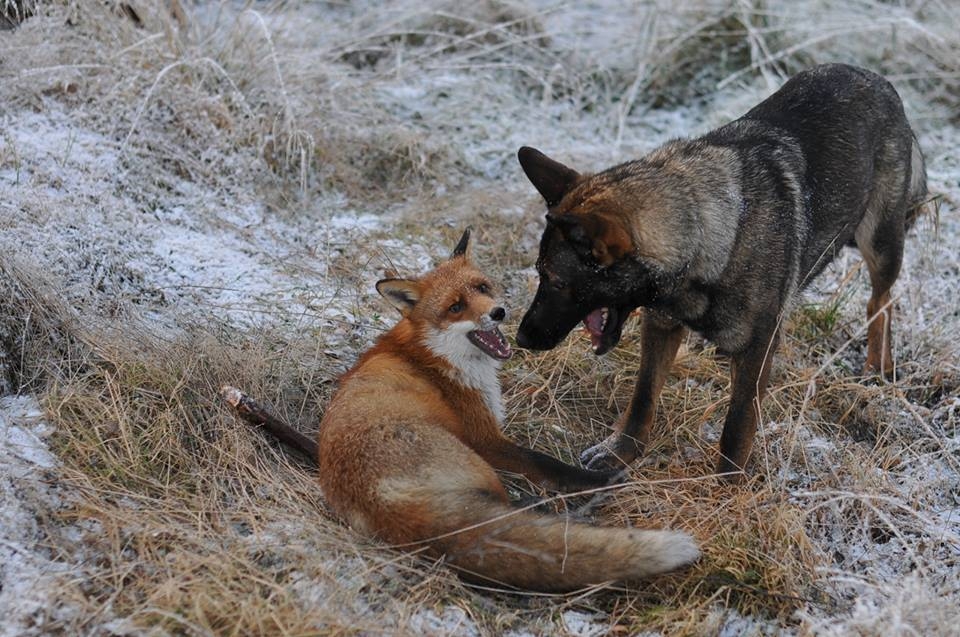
[255, 414]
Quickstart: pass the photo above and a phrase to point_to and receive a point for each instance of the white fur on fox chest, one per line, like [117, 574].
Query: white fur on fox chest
[473, 368]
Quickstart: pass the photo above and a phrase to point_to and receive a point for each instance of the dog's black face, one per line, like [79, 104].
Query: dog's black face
[587, 266]
[574, 287]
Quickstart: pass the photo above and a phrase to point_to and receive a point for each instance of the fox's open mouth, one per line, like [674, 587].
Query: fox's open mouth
[491, 342]
[605, 325]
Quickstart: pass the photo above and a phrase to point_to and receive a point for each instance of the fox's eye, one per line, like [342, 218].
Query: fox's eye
[557, 284]
[456, 308]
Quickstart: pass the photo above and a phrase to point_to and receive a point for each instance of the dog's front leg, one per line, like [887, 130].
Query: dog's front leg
[659, 341]
[749, 373]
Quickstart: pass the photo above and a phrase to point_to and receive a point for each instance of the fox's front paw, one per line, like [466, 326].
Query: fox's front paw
[586, 479]
[613, 454]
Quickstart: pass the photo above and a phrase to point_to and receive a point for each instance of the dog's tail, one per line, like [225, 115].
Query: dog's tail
[917, 194]
[551, 553]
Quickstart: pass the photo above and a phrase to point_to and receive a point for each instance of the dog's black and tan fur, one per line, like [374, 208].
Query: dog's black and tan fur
[719, 234]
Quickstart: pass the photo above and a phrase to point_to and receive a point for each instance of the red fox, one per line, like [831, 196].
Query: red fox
[410, 442]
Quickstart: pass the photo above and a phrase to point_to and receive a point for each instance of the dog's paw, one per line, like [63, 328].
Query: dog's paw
[731, 473]
[603, 459]
[875, 373]
[613, 454]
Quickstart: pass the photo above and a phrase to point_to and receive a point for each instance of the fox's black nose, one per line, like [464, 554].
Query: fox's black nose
[498, 313]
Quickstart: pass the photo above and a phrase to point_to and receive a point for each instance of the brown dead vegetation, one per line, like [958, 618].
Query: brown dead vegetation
[189, 523]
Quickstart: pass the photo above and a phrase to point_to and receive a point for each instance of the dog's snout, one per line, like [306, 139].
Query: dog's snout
[522, 340]
[498, 314]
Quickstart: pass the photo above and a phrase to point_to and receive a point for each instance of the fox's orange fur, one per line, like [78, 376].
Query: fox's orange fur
[409, 445]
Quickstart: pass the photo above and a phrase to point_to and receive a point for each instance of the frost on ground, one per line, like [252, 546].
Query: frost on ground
[30, 572]
[202, 251]
[261, 169]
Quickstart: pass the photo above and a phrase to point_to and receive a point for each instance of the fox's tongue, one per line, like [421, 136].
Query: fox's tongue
[595, 322]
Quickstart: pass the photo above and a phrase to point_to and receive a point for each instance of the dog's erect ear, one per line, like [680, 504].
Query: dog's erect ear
[551, 178]
[464, 246]
[402, 294]
[593, 235]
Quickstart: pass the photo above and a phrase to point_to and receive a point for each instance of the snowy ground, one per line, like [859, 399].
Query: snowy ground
[80, 209]
[27, 491]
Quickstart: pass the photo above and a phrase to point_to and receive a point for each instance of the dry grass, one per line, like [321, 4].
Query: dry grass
[181, 521]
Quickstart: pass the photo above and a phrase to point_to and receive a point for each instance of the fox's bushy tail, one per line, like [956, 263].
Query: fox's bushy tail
[527, 550]
[454, 503]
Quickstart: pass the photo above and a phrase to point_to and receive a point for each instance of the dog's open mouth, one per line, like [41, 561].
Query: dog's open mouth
[491, 342]
[605, 326]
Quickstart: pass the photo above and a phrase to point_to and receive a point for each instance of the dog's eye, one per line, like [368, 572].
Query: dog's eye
[557, 284]
[456, 308]
[483, 288]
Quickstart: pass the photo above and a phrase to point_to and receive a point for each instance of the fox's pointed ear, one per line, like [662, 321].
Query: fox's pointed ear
[464, 246]
[402, 294]
[551, 178]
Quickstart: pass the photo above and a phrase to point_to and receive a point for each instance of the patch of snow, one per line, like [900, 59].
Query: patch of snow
[57, 159]
[902, 606]
[29, 573]
[367, 222]
[584, 624]
[213, 269]
[732, 624]
[24, 431]
[450, 621]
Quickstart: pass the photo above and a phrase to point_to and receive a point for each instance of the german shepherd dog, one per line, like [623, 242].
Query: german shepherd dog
[719, 234]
